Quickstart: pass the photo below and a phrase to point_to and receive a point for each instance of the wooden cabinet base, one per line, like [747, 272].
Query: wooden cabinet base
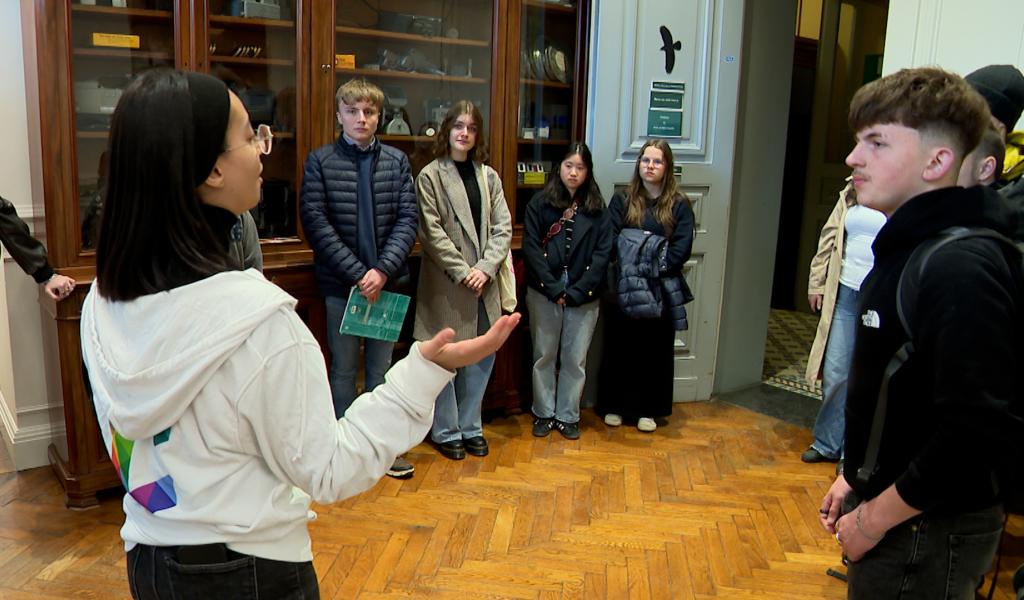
[80, 491]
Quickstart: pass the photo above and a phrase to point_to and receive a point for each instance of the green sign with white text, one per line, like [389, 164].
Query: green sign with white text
[672, 100]
[664, 123]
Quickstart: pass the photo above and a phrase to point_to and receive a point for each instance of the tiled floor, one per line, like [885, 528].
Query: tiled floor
[790, 335]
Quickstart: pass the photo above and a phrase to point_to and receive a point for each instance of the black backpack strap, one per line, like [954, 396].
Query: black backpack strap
[906, 304]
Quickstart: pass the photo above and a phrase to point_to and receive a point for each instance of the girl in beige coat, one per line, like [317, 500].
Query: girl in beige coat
[843, 259]
[466, 230]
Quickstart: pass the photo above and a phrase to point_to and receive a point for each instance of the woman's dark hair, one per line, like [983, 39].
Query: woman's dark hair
[443, 143]
[153, 235]
[588, 195]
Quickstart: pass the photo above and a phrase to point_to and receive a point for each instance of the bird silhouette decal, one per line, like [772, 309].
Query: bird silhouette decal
[670, 48]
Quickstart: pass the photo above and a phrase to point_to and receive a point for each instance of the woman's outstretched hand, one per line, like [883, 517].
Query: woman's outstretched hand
[454, 355]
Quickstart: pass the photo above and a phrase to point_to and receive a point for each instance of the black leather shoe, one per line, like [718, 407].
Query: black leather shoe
[811, 455]
[454, 449]
[477, 446]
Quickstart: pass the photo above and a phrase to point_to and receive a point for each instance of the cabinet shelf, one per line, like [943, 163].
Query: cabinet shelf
[142, 13]
[247, 22]
[409, 37]
[555, 8]
[405, 75]
[119, 53]
[545, 83]
[241, 60]
[530, 186]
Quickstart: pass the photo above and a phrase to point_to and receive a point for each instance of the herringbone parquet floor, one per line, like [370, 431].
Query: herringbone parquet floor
[714, 505]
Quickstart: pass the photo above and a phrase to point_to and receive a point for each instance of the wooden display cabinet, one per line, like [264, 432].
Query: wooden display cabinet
[423, 53]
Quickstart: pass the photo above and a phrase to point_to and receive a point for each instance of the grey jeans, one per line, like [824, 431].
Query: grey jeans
[929, 557]
[560, 334]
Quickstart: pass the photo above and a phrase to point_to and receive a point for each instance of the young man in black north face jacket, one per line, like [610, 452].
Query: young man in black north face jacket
[931, 514]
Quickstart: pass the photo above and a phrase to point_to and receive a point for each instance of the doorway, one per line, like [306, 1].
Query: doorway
[839, 46]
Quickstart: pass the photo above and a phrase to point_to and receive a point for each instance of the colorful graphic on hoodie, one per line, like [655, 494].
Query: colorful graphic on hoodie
[154, 496]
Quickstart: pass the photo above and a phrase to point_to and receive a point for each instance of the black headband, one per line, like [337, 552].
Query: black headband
[211, 108]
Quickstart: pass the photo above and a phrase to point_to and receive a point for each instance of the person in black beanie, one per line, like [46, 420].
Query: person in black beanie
[1002, 86]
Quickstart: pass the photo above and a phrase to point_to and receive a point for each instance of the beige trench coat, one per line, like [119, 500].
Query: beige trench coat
[824, 278]
[451, 248]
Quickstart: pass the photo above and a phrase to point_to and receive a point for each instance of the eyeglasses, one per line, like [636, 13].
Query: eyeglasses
[556, 227]
[657, 162]
[262, 140]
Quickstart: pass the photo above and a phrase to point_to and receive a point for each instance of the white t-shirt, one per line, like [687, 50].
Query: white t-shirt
[862, 225]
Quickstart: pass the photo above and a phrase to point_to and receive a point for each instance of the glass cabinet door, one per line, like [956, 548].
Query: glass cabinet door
[111, 42]
[547, 68]
[252, 46]
[424, 55]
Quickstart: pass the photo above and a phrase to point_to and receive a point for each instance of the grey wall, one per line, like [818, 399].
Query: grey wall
[769, 30]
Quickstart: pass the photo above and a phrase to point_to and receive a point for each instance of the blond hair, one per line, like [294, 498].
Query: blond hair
[359, 90]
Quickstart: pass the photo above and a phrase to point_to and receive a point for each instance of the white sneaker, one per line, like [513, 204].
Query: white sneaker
[612, 420]
[646, 425]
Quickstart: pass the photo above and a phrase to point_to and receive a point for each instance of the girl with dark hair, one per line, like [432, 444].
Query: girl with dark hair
[211, 394]
[567, 240]
[465, 230]
[637, 373]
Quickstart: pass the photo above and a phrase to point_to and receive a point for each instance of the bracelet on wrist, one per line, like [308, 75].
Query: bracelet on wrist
[861, 529]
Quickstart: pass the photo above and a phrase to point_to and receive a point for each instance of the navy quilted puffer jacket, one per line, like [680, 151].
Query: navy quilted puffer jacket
[328, 211]
[644, 291]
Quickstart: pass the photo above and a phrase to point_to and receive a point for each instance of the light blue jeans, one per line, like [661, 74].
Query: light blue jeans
[560, 334]
[345, 358]
[457, 410]
[830, 426]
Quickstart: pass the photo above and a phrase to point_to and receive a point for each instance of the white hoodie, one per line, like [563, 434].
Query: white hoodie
[214, 404]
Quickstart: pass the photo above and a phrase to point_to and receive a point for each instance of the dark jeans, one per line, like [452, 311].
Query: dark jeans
[929, 557]
[155, 573]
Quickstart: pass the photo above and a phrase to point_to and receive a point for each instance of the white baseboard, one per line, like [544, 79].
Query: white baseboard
[29, 446]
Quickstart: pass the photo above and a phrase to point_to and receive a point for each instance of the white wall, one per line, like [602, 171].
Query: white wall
[757, 194]
[30, 407]
[956, 35]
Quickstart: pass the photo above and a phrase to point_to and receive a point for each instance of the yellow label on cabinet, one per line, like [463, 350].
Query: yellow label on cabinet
[533, 177]
[344, 61]
[115, 40]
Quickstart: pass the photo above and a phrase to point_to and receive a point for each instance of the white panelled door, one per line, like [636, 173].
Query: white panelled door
[630, 58]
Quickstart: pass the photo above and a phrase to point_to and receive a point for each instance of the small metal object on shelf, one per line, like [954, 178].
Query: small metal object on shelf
[255, 9]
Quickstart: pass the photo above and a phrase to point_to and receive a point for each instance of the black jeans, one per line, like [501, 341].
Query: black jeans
[154, 573]
[930, 558]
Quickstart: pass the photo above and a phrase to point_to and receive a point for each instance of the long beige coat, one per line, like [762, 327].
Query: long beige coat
[451, 248]
[824, 278]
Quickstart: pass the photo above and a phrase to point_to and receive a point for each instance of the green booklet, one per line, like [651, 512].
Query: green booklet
[381, 320]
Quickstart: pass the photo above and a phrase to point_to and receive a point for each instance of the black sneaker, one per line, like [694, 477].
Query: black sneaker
[401, 469]
[542, 427]
[570, 431]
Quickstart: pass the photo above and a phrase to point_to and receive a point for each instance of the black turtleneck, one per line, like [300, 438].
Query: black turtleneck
[467, 171]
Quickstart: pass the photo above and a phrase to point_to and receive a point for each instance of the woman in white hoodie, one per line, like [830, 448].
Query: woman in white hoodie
[211, 393]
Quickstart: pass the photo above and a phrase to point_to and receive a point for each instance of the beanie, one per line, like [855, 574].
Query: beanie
[1002, 86]
[211, 108]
